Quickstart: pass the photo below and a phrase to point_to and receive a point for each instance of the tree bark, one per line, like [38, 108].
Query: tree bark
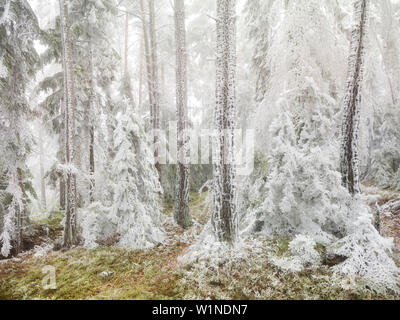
[140, 76]
[91, 125]
[224, 217]
[126, 44]
[155, 86]
[349, 161]
[20, 213]
[182, 213]
[70, 234]
[91, 163]
[62, 192]
[148, 57]
[42, 181]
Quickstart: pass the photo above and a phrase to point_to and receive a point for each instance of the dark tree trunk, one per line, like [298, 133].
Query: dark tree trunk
[349, 163]
[62, 193]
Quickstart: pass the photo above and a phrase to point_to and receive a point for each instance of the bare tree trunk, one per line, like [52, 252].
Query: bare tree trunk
[163, 92]
[182, 213]
[349, 161]
[127, 88]
[140, 76]
[62, 192]
[91, 125]
[91, 163]
[126, 44]
[62, 180]
[224, 216]
[20, 213]
[42, 181]
[70, 234]
[148, 58]
[155, 85]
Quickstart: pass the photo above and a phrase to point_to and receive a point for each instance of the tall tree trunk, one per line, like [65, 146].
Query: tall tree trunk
[91, 163]
[126, 45]
[155, 85]
[91, 124]
[182, 213]
[20, 213]
[62, 192]
[70, 234]
[224, 216]
[127, 89]
[42, 181]
[349, 161]
[148, 57]
[62, 181]
[140, 76]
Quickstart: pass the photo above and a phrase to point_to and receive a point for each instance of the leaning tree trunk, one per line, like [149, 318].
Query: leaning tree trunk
[155, 86]
[224, 216]
[349, 162]
[182, 213]
[70, 232]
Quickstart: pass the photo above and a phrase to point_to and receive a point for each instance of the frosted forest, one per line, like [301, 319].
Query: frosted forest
[200, 149]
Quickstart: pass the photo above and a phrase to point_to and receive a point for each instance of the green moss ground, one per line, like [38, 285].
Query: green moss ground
[155, 274]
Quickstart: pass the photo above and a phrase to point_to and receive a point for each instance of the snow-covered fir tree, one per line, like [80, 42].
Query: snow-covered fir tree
[136, 205]
[303, 192]
[134, 216]
[18, 63]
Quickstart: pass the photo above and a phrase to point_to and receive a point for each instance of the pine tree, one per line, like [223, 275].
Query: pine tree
[259, 17]
[136, 209]
[349, 159]
[182, 213]
[224, 216]
[18, 63]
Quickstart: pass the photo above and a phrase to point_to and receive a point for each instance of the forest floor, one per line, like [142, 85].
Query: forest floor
[115, 273]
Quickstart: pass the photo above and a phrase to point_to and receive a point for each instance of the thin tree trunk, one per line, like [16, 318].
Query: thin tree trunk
[182, 213]
[42, 181]
[127, 89]
[349, 163]
[224, 216]
[155, 85]
[91, 163]
[148, 58]
[62, 192]
[70, 234]
[63, 148]
[163, 93]
[140, 76]
[126, 44]
[91, 125]
[20, 213]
